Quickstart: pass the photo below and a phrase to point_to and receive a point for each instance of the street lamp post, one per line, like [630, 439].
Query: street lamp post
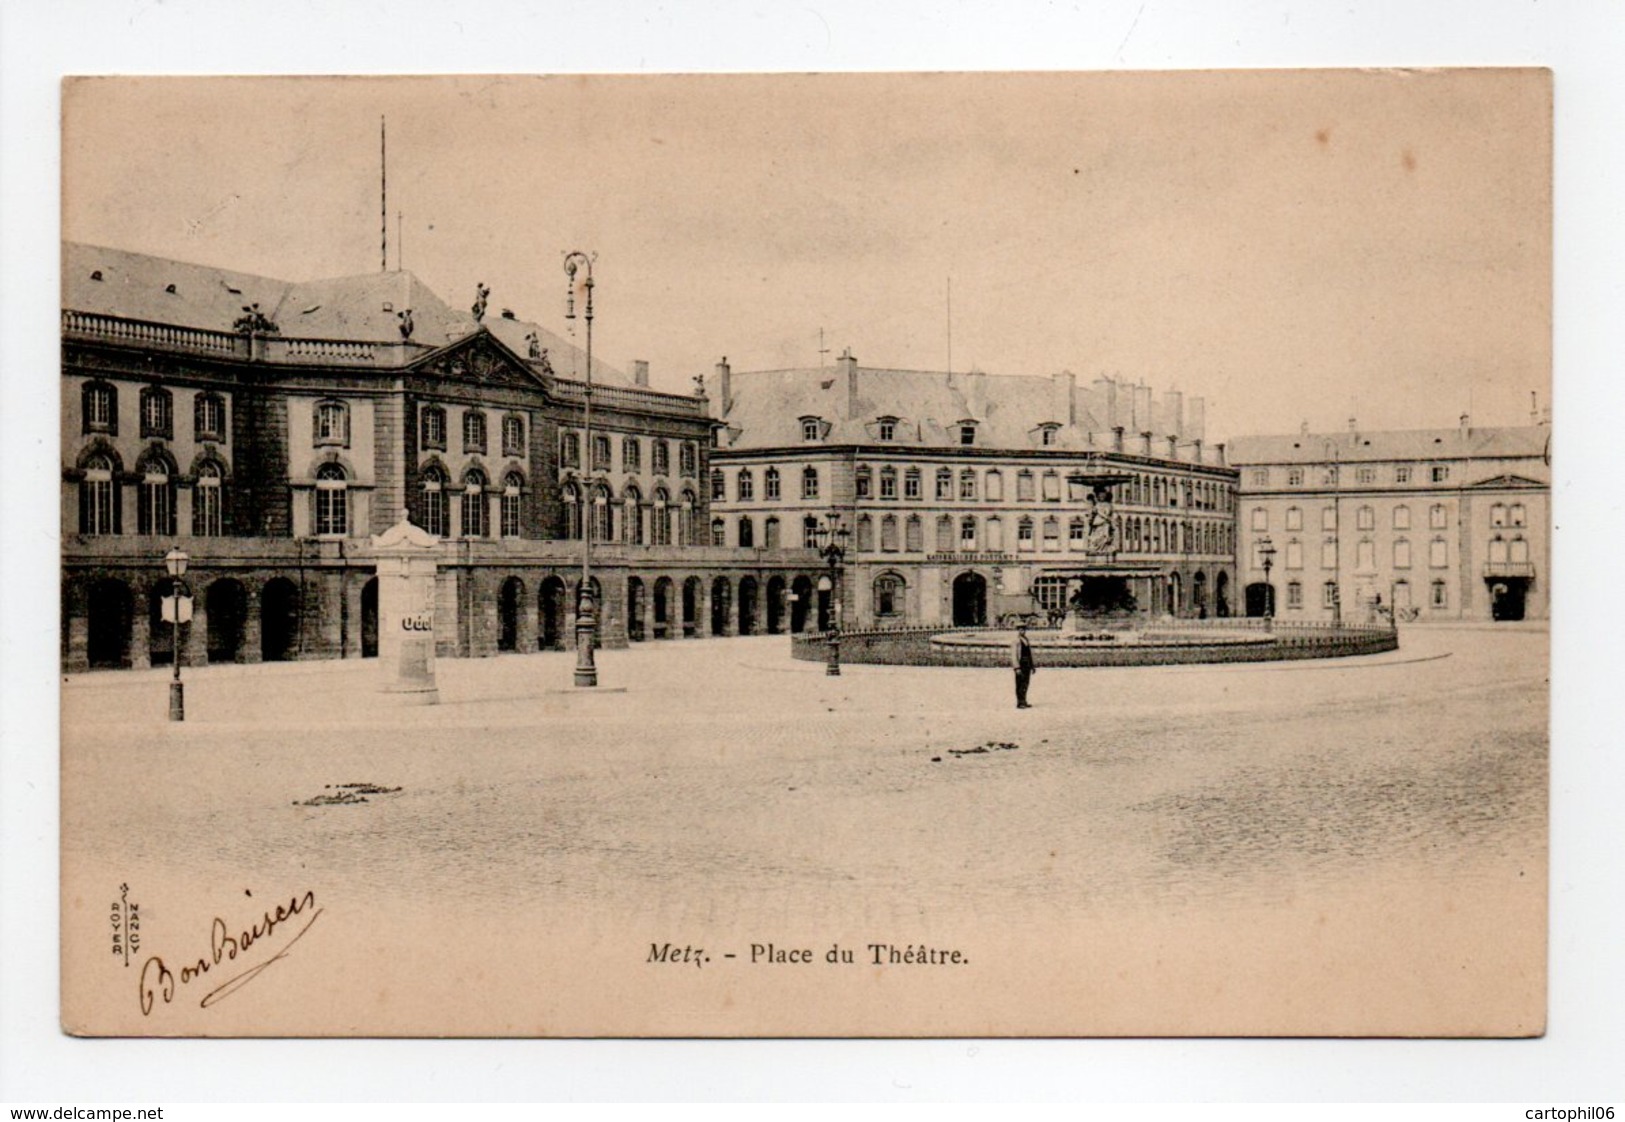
[1334, 467]
[586, 673]
[1266, 550]
[175, 563]
[831, 540]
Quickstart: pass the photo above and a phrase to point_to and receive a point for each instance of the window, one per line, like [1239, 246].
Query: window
[1365, 519]
[888, 482]
[690, 457]
[332, 501]
[1294, 554]
[967, 485]
[1077, 534]
[513, 435]
[1438, 554]
[1365, 475]
[1047, 435]
[862, 482]
[476, 519]
[573, 517]
[1024, 487]
[1328, 518]
[1328, 594]
[967, 534]
[1402, 473]
[1294, 518]
[1402, 518]
[1024, 535]
[1402, 593]
[1328, 476]
[1439, 473]
[600, 452]
[1438, 517]
[1515, 515]
[570, 449]
[1402, 554]
[1259, 477]
[945, 534]
[1294, 594]
[888, 534]
[993, 535]
[864, 540]
[719, 486]
[660, 518]
[98, 498]
[156, 416]
[1440, 598]
[603, 514]
[719, 532]
[745, 485]
[1076, 492]
[99, 403]
[967, 433]
[209, 417]
[631, 454]
[770, 483]
[207, 507]
[811, 429]
[914, 535]
[809, 483]
[911, 483]
[332, 423]
[1328, 553]
[809, 532]
[686, 529]
[155, 511]
[945, 484]
[1498, 516]
[1052, 487]
[1365, 555]
[513, 500]
[1294, 477]
[1520, 551]
[1498, 550]
[474, 431]
[770, 533]
[436, 519]
[1261, 518]
[888, 429]
[632, 515]
[747, 532]
[888, 594]
[1052, 535]
[661, 457]
[432, 426]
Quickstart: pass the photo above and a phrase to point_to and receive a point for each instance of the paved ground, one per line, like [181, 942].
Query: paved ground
[1358, 842]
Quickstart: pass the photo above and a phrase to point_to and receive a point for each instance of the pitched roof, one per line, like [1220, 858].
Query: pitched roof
[1401, 444]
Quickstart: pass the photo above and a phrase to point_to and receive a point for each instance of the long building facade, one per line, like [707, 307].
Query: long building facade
[1429, 524]
[269, 429]
[971, 498]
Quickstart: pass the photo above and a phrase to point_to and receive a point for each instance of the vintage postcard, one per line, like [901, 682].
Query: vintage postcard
[1054, 554]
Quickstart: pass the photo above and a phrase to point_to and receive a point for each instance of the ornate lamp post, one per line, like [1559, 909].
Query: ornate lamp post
[1266, 550]
[586, 604]
[175, 564]
[831, 539]
[1334, 469]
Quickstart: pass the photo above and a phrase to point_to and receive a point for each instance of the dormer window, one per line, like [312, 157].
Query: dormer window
[967, 432]
[1048, 434]
[812, 428]
[886, 428]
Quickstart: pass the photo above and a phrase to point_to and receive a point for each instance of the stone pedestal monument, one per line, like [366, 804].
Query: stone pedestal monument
[407, 560]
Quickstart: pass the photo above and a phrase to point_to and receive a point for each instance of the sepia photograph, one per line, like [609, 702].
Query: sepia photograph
[828, 555]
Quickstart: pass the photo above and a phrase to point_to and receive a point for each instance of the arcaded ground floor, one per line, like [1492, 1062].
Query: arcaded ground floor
[1353, 846]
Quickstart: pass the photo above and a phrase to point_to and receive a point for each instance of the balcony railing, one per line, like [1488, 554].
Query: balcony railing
[227, 344]
[635, 399]
[1499, 569]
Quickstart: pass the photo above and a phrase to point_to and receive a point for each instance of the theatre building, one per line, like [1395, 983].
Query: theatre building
[269, 429]
[1433, 524]
[971, 498]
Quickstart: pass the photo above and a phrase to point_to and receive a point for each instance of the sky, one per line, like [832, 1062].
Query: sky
[1292, 246]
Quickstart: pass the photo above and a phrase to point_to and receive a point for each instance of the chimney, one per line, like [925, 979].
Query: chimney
[1219, 448]
[1196, 418]
[849, 370]
[1066, 392]
[1466, 426]
[1145, 441]
[1173, 404]
[1534, 401]
[640, 372]
[1303, 428]
[1117, 438]
[1107, 389]
[1196, 451]
[1173, 447]
[1354, 430]
[1142, 408]
[725, 394]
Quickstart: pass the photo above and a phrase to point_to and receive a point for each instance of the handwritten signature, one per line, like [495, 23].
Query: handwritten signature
[158, 981]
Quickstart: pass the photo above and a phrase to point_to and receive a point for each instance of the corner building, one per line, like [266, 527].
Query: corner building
[1440, 524]
[958, 490]
[270, 429]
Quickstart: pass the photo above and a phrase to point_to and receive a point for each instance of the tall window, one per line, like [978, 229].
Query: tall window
[945, 534]
[1077, 534]
[603, 514]
[99, 404]
[436, 518]
[1052, 534]
[993, 486]
[156, 413]
[1365, 555]
[945, 484]
[689, 454]
[1328, 553]
[809, 532]
[994, 535]
[809, 483]
[914, 534]
[332, 423]
[209, 417]
[474, 431]
[632, 515]
[967, 484]
[600, 452]
[1498, 515]
[1402, 518]
[745, 485]
[1439, 473]
[1294, 518]
[911, 483]
[888, 482]
[1516, 515]
[1024, 535]
[574, 518]
[861, 481]
[476, 519]
[513, 435]
[1402, 554]
[98, 498]
[1328, 518]
[660, 518]
[719, 486]
[661, 457]
[207, 519]
[810, 428]
[156, 510]
[631, 454]
[432, 423]
[1052, 487]
[570, 449]
[687, 533]
[332, 501]
[1438, 554]
[1294, 554]
[888, 429]
[1440, 598]
[1328, 594]
[1260, 518]
[770, 483]
[888, 594]
[1294, 594]
[865, 535]
[1438, 518]
[1520, 550]
[719, 532]
[1365, 519]
[513, 504]
[1024, 487]
[967, 534]
[770, 533]
[888, 534]
[747, 532]
[1498, 550]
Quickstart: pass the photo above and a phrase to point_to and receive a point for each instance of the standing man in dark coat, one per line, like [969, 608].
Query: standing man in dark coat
[1021, 660]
